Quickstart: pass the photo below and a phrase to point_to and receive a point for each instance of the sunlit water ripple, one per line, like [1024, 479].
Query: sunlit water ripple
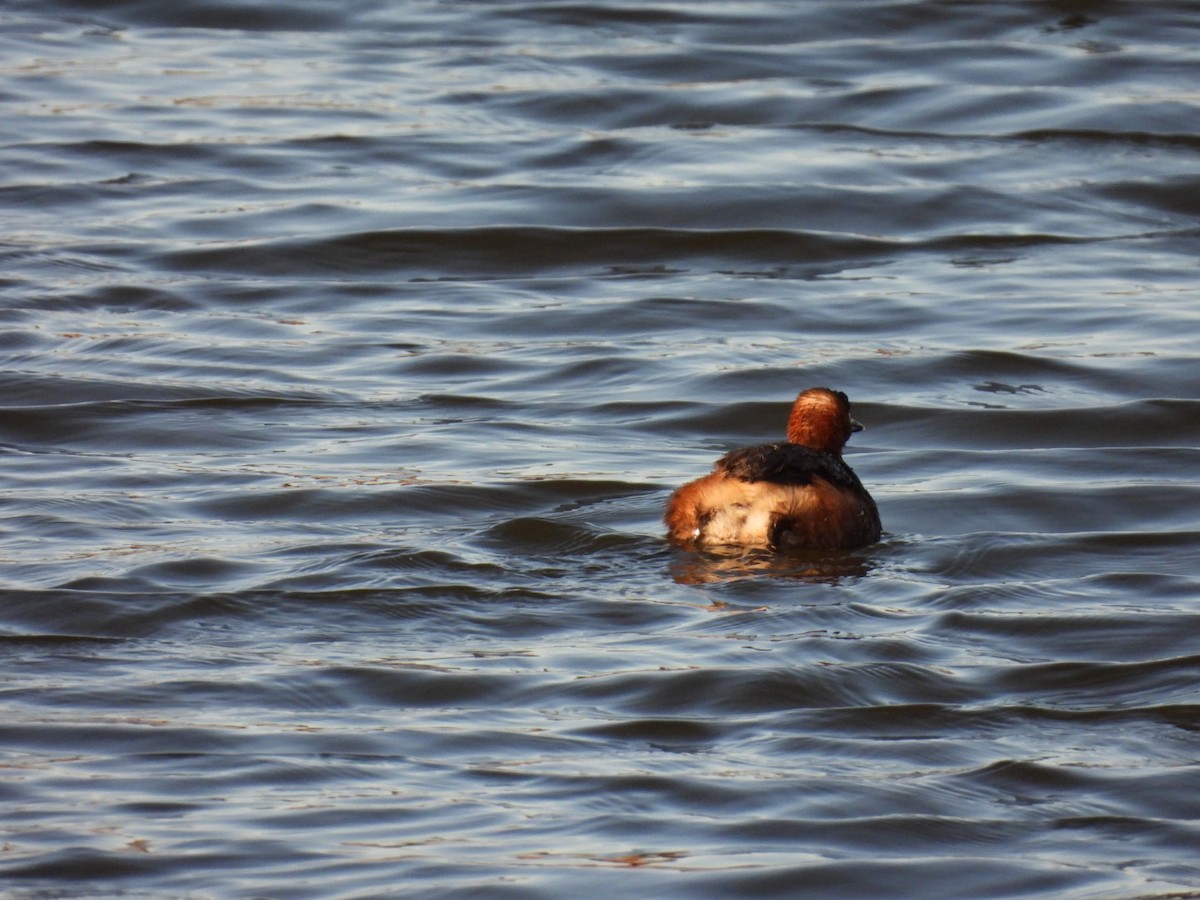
[350, 353]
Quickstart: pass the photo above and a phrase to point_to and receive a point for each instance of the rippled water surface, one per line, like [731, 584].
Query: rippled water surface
[348, 353]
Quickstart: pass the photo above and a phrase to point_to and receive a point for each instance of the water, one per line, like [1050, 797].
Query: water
[350, 351]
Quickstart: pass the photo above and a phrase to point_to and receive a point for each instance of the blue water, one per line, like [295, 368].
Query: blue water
[349, 352]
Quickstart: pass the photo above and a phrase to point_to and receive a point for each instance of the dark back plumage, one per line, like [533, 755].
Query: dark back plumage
[787, 464]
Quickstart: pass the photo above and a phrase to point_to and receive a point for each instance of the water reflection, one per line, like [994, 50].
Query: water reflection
[350, 350]
[713, 565]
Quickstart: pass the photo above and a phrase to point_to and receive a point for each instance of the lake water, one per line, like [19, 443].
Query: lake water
[349, 352]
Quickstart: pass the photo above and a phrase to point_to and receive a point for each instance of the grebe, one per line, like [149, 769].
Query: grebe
[785, 496]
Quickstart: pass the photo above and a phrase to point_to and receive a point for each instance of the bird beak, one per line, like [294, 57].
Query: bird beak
[856, 425]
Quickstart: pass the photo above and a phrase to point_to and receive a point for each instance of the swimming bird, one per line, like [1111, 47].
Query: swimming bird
[794, 495]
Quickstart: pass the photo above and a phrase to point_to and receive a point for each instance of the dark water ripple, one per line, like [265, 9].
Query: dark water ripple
[348, 355]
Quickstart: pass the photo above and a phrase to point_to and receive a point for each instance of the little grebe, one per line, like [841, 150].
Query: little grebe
[786, 496]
